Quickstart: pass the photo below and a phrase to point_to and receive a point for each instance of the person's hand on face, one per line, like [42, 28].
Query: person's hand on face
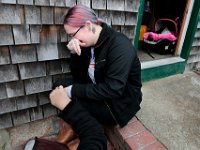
[74, 46]
[59, 98]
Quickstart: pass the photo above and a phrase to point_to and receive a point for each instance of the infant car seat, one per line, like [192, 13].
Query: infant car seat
[163, 39]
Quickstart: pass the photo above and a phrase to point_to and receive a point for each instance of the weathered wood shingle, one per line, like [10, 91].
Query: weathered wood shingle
[35, 33]
[38, 85]
[47, 14]
[118, 18]
[194, 58]
[195, 50]
[20, 117]
[6, 37]
[11, 14]
[3, 93]
[49, 110]
[132, 5]
[62, 3]
[117, 28]
[5, 121]
[84, 2]
[60, 15]
[32, 15]
[8, 73]
[32, 70]
[197, 34]
[129, 31]
[4, 55]
[25, 2]
[196, 42]
[49, 34]
[43, 98]
[131, 19]
[193, 62]
[42, 2]
[54, 67]
[7, 105]
[63, 35]
[47, 51]
[8, 1]
[115, 5]
[15, 89]
[63, 51]
[21, 34]
[23, 53]
[36, 113]
[24, 102]
[100, 5]
[106, 16]
[65, 66]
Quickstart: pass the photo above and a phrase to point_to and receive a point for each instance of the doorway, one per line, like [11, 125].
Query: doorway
[176, 13]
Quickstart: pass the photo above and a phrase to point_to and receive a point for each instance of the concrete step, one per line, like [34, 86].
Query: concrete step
[171, 110]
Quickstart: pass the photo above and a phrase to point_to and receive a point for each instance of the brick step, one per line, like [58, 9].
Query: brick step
[134, 136]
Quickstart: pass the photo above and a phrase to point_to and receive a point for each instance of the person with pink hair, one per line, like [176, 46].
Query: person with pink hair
[105, 68]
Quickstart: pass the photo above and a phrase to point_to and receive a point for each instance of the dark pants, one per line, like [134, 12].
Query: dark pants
[97, 109]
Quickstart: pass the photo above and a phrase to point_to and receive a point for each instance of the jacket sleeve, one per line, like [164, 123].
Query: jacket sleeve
[77, 66]
[90, 132]
[119, 61]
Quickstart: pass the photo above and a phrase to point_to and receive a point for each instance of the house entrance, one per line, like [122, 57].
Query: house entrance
[162, 28]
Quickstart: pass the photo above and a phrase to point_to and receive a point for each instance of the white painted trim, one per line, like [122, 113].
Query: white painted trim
[161, 62]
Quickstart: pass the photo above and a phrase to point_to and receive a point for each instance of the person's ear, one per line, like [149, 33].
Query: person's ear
[89, 25]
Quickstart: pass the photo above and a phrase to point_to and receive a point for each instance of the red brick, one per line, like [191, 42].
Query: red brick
[155, 146]
[131, 129]
[140, 140]
[133, 120]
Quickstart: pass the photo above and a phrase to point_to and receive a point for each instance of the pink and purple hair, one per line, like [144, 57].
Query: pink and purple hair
[79, 14]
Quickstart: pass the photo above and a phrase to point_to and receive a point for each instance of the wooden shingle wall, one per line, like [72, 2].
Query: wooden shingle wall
[194, 58]
[33, 53]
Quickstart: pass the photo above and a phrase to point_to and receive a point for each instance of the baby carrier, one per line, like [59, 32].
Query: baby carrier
[163, 39]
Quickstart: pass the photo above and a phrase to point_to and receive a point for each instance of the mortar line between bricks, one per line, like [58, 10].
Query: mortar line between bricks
[148, 144]
[151, 133]
[134, 134]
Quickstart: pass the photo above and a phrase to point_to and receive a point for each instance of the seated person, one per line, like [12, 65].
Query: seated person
[105, 68]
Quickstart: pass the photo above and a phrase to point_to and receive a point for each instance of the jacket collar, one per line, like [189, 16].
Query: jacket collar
[103, 37]
[105, 33]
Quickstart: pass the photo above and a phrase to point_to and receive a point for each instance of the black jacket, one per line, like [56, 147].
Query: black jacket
[117, 74]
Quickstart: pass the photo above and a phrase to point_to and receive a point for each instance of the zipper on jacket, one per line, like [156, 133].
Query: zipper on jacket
[100, 61]
[111, 112]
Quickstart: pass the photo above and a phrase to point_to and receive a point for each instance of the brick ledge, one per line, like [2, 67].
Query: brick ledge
[134, 136]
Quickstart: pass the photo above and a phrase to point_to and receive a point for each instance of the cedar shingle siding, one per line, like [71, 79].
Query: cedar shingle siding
[33, 52]
[194, 58]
